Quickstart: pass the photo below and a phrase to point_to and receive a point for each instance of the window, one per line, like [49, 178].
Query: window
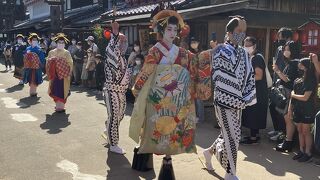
[313, 37]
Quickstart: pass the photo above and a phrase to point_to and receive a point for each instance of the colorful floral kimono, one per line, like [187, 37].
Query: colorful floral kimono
[59, 69]
[34, 60]
[234, 89]
[164, 112]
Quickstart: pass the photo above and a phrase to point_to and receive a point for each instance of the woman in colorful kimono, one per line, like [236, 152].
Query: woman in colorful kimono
[34, 61]
[166, 85]
[18, 52]
[59, 69]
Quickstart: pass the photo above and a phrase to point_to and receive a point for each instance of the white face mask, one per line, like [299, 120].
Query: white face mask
[138, 62]
[249, 49]
[60, 46]
[136, 48]
[287, 54]
[19, 41]
[74, 42]
[34, 43]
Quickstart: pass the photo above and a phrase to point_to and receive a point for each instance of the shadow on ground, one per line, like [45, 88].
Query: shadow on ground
[120, 168]
[29, 101]
[55, 122]
[14, 88]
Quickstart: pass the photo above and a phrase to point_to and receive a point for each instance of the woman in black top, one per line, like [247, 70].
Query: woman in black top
[287, 77]
[302, 107]
[255, 117]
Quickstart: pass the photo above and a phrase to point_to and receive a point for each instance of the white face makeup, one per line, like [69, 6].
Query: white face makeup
[60, 44]
[170, 33]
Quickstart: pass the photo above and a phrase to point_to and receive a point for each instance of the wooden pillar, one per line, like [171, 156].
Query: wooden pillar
[267, 50]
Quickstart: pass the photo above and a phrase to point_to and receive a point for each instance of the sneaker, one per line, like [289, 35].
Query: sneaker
[272, 133]
[298, 156]
[230, 177]
[276, 137]
[21, 82]
[117, 149]
[207, 155]
[249, 141]
[305, 158]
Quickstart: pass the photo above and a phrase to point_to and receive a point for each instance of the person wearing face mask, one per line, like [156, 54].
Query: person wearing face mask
[166, 88]
[90, 68]
[17, 53]
[284, 35]
[59, 69]
[139, 60]
[73, 46]
[301, 107]
[34, 62]
[116, 84]
[194, 48]
[255, 117]
[78, 60]
[234, 90]
[287, 77]
[92, 45]
[134, 53]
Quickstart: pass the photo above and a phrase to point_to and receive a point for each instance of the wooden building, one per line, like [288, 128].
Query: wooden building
[264, 18]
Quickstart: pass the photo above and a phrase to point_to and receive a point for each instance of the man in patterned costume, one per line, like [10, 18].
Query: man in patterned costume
[117, 81]
[17, 52]
[34, 61]
[59, 69]
[234, 89]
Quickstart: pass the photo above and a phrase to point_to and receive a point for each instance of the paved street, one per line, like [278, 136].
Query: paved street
[38, 144]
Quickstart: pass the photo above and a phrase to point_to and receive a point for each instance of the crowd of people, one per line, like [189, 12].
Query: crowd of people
[170, 84]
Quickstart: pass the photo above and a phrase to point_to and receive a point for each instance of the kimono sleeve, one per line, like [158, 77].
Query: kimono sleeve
[149, 66]
[203, 83]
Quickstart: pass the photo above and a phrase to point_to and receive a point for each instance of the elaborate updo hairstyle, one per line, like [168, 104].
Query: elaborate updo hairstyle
[161, 25]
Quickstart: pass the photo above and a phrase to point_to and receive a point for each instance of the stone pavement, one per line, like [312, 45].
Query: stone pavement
[38, 144]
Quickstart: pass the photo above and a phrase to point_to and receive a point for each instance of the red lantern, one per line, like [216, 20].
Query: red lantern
[296, 36]
[107, 34]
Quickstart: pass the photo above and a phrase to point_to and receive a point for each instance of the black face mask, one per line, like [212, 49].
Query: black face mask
[282, 42]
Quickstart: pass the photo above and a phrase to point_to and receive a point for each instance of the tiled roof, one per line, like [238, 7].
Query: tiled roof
[127, 11]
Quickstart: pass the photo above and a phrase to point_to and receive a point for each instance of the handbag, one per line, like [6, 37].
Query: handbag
[142, 162]
[277, 97]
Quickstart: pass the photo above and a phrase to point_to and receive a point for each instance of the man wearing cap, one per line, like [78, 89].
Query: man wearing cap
[92, 45]
[59, 69]
[17, 52]
[234, 89]
[78, 59]
[34, 61]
